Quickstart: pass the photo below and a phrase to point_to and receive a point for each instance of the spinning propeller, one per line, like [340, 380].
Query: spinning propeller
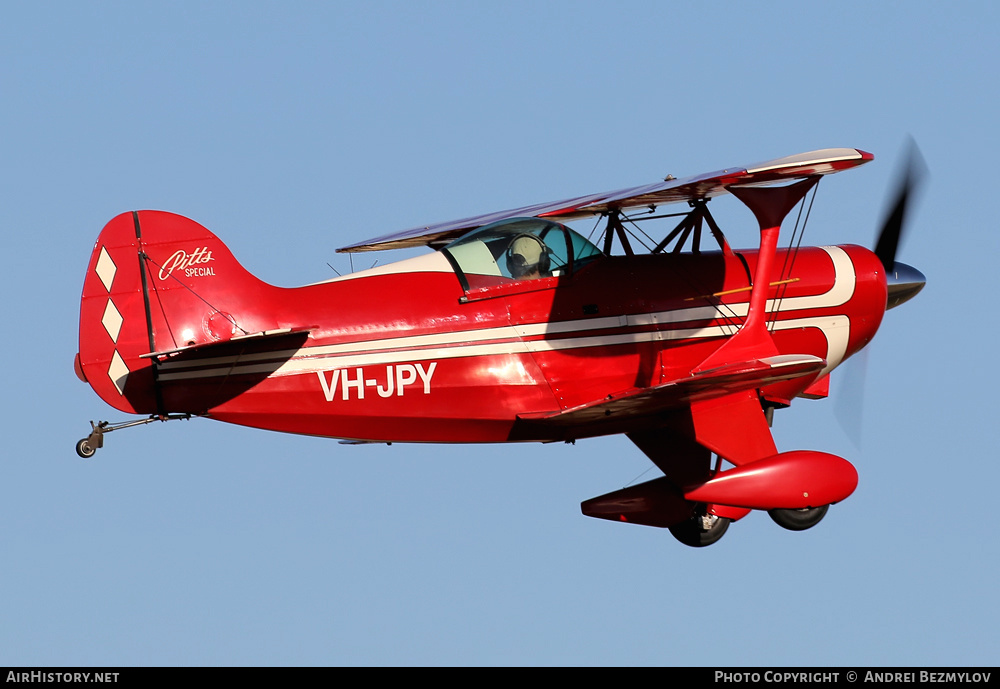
[904, 281]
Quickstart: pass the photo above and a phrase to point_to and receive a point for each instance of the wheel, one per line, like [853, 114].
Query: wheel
[85, 449]
[700, 531]
[799, 520]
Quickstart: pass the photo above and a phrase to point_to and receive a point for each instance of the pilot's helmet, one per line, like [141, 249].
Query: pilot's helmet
[527, 254]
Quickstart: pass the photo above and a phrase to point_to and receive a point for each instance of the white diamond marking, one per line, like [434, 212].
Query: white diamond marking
[112, 321]
[118, 372]
[106, 268]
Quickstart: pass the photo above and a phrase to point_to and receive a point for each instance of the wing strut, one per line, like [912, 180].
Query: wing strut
[770, 205]
[734, 426]
[693, 221]
[613, 228]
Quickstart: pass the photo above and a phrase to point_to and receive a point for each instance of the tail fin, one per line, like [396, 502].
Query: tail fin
[159, 282]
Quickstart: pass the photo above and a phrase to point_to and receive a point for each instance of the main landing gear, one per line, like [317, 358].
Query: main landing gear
[700, 530]
[86, 447]
[705, 529]
[799, 520]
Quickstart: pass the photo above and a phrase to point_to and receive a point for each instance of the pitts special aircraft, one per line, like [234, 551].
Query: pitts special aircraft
[517, 328]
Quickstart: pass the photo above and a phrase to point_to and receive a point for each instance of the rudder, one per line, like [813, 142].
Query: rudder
[158, 282]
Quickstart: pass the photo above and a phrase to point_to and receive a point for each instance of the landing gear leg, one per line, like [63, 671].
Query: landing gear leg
[86, 447]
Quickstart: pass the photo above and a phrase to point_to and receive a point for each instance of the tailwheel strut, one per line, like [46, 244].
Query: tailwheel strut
[86, 447]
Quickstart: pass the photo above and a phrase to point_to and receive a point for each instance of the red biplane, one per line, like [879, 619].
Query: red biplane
[517, 328]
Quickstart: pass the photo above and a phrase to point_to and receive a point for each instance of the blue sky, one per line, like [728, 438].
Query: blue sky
[291, 130]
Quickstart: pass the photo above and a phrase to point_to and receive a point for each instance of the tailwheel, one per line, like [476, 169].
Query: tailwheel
[700, 530]
[799, 520]
[85, 449]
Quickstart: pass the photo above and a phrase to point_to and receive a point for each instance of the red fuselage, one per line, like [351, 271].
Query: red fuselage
[422, 351]
[405, 353]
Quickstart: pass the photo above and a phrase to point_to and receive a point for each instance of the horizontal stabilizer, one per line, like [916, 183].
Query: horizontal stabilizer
[251, 338]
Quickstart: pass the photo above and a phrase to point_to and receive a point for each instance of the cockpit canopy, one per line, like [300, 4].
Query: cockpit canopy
[518, 249]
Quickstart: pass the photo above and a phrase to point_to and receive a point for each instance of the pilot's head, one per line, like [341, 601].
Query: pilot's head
[527, 257]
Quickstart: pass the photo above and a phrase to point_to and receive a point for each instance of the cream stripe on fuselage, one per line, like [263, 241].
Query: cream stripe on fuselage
[424, 347]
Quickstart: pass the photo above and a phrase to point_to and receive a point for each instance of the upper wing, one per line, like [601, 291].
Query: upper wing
[668, 191]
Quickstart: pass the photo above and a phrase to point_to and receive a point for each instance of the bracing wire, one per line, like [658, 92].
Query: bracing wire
[232, 320]
[793, 251]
